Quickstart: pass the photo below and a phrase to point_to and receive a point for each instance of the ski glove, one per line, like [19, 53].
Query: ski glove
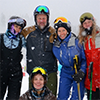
[79, 76]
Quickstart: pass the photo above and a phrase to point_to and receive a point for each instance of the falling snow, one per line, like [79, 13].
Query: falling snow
[25, 81]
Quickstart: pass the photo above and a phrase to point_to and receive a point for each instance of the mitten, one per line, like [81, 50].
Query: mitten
[79, 76]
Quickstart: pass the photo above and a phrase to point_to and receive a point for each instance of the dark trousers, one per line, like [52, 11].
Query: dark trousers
[11, 78]
[95, 95]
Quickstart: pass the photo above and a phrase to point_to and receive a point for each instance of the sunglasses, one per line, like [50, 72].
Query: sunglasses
[60, 20]
[36, 69]
[42, 8]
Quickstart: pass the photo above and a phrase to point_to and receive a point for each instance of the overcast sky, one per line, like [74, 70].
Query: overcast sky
[71, 9]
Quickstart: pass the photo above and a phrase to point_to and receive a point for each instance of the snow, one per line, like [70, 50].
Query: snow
[25, 83]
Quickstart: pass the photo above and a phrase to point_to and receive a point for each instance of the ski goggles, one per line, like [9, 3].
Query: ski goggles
[86, 16]
[42, 70]
[60, 20]
[42, 8]
[18, 21]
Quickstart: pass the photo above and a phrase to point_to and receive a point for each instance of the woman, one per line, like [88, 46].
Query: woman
[90, 34]
[11, 71]
[66, 47]
[39, 90]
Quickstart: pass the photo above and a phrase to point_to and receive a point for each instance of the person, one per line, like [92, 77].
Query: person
[70, 53]
[39, 90]
[11, 72]
[39, 49]
[89, 34]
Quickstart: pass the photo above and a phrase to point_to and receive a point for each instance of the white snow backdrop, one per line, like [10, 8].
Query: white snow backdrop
[71, 9]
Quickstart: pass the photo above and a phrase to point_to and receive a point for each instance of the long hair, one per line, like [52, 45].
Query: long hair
[83, 38]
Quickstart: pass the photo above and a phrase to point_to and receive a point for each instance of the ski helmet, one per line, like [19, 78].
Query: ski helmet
[11, 33]
[16, 20]
[85, 16]
[62, 22]
[41, 9]
[39, 70]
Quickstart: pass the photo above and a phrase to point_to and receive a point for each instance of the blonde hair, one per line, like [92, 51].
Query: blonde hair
[83, 38]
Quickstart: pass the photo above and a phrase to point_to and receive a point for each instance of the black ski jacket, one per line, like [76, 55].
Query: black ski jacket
[39, 49]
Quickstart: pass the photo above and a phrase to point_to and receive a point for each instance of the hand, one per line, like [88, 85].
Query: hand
[79, 76]
[52, 37]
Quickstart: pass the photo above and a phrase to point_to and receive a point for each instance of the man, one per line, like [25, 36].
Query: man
[39, 49]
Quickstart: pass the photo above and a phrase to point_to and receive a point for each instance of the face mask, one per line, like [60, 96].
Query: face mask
[87, 31]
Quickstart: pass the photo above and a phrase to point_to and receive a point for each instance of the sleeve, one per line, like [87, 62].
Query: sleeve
[0, 38]
[23, 42]
[23, 97]
[83, 60]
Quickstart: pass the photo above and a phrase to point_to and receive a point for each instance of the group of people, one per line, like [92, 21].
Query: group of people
[78, 55]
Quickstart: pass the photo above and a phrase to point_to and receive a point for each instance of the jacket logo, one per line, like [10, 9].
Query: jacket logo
[33, 36]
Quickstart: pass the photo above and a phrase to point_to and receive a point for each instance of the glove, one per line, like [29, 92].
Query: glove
[52, 37]
[79, 76]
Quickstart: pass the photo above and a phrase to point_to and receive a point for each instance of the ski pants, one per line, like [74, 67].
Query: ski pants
[95, 95]
[66, 84]
[11, 78]
[52, 82]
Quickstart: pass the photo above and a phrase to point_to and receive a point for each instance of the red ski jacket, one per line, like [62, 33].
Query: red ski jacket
[92, 52]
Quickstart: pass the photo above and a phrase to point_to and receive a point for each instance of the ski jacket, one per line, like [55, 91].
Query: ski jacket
[28, 96]
[39, 49]
[69, 47]
[13, 43]
[10, 55]
[92, 52]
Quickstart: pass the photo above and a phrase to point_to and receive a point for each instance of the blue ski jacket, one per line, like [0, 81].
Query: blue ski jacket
[70, 47]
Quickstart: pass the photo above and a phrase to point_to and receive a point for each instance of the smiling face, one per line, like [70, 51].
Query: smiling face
[41, 20]
[17, 28]
[62, 32]
[38, 81]
[87, 23]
